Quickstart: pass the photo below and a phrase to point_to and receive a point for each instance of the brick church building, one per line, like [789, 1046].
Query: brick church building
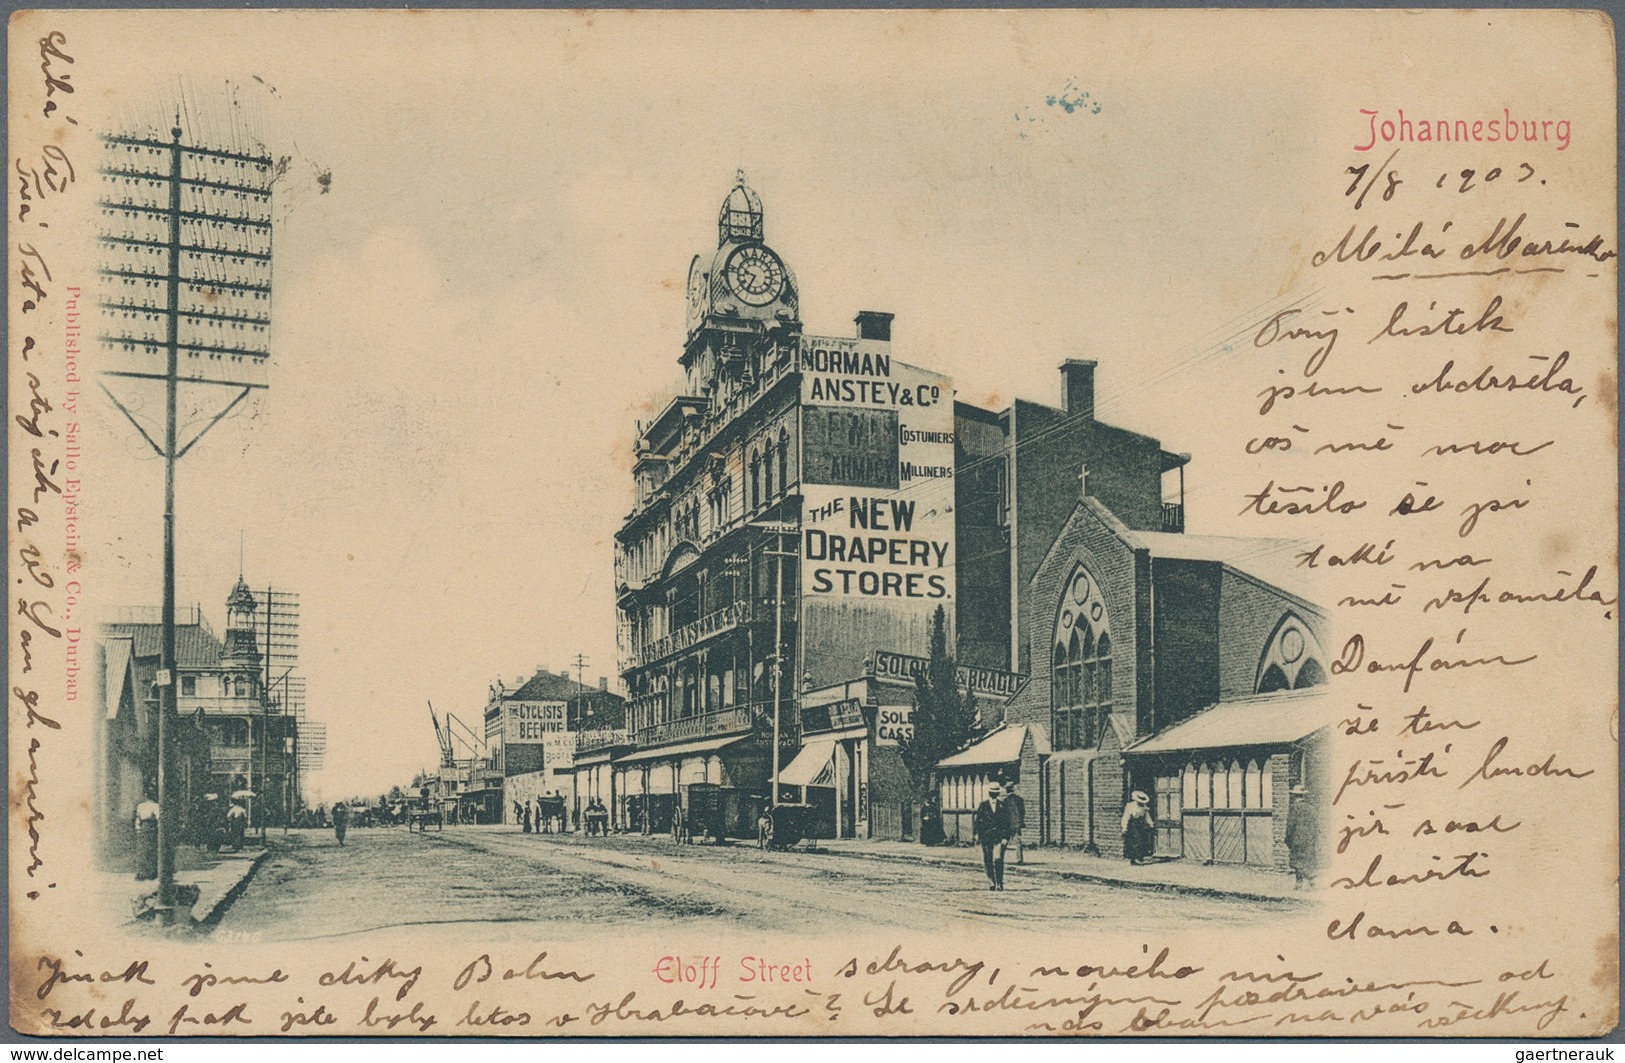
[1173, 664]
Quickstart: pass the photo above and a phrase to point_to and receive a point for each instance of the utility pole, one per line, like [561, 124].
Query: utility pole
[265, 708]
[237, 274]
[779, 529]
[581, 690]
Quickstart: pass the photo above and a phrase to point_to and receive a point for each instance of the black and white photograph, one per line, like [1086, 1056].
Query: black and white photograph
[812, 524]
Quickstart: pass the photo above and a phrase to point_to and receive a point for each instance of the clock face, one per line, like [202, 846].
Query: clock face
[697, 290]
[755, 274]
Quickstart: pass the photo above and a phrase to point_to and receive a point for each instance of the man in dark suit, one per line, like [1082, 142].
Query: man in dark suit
[991, 825]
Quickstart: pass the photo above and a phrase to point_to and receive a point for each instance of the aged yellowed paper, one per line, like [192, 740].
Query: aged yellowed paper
[1110, 532]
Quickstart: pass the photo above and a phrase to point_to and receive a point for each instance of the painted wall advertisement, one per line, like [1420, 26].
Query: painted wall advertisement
[878, 512]
[532, 721]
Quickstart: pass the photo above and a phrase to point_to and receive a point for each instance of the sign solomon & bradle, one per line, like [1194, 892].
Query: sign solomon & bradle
[988, 681]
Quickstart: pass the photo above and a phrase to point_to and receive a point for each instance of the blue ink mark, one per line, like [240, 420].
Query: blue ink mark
[1071, 100]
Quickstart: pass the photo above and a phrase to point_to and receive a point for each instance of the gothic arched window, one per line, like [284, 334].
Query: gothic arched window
[1291, 658]
[1081, 681]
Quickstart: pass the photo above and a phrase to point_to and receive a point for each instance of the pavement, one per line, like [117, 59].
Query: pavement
[211, 881]
[1209, 880]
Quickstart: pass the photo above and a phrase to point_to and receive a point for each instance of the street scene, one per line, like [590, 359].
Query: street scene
[872, 639]
[573, 886]
[1062, 521]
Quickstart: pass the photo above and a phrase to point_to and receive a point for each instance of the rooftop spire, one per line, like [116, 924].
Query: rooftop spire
[741, 214]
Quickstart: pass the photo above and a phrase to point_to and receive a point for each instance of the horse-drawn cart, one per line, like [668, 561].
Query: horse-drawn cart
[783, 826]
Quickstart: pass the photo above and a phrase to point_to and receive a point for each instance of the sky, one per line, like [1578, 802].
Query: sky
[486, 292]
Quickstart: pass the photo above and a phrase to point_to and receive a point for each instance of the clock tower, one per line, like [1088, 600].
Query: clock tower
[738, 298]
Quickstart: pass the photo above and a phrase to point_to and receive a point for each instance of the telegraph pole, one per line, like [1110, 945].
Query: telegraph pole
[581, 690]
[195, 181]
[169, 684]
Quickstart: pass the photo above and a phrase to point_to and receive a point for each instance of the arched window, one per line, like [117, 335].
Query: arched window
[767, 473]
[1310, 675]
[755, 479]
[1232, 785]
[1103, 653]
[784, 460]
[1081, 679]
[1291, 658]
[1273, 679]
[1204, 786]
[1058, 693]
[1084, 666]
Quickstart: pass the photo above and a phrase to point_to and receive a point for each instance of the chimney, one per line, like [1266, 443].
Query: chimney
[1078, 385]
[603, 683]
[874, 325]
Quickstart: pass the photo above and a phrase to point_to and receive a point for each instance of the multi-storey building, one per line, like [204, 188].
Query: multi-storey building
[794, 512]
[252, 747]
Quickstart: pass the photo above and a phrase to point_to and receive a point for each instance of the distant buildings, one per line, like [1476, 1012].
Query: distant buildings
[531, 731]
[233, 741]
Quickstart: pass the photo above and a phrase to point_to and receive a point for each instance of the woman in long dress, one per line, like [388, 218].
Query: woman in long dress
[1138, 828]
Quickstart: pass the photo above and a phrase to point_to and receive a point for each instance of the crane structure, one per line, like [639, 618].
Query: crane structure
[448, 759]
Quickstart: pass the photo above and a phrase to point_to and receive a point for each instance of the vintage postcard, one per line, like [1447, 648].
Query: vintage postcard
[813, 524]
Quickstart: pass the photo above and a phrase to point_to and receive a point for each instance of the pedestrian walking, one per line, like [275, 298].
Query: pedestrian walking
[1018, 820]
[341, 821]
[1302, 838]
[1139, 828]
[991, 828]
[931, 832]
[236, 826]
[146, 838]
[524, 816]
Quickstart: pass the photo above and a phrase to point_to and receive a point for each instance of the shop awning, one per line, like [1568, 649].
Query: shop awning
[1001, 747]
[1263, 720]
[682, 749]
[118, 662]
[814, 765]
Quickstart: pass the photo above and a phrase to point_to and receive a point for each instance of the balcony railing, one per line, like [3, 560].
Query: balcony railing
[689, 728]
[724, 619]
[218, 706]
[1173, 516]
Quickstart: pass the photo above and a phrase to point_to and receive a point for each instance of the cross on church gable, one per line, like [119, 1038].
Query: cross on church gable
[1083, 480]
